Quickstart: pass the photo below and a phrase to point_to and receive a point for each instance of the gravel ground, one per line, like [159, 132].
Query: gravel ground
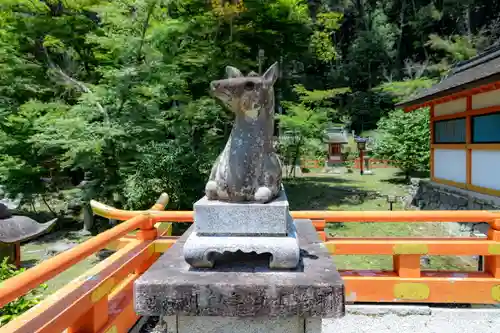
[417, 321]
[397, 318]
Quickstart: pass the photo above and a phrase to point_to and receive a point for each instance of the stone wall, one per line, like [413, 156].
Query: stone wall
[427, 195]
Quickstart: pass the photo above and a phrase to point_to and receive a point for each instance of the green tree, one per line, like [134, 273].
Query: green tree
[140, 111]
[404, 138]
[301, 126]
[304, 123]
[127, 102]
[100, 87]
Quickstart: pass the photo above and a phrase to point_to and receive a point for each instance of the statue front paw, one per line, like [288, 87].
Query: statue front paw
[211, 190]
[263, 194]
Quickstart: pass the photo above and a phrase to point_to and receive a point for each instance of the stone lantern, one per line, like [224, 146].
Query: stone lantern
[15, 229]
[361, 143]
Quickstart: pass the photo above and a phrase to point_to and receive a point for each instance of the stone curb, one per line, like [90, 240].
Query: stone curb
[486, 312]
[412, 310]
[380, 310]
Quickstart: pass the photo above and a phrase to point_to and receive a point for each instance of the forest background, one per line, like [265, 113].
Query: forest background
[112, 95]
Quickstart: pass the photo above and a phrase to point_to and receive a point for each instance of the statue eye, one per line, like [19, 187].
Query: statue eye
[249, 86]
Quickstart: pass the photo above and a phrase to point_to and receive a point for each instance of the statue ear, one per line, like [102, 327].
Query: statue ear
[233, 72]
[271, 75]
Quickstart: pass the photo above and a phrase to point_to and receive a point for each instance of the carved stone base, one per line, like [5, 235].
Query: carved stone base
[314, 289]
[200, 251]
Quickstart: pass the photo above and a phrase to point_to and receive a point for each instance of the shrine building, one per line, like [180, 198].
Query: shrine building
[335, 139]
[465, 125]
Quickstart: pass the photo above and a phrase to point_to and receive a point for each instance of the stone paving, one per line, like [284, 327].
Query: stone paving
[414, 319]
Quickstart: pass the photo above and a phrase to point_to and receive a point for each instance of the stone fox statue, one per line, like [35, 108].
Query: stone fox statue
[248, 168]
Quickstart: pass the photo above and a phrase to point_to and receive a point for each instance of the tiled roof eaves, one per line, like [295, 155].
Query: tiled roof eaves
[469, 75]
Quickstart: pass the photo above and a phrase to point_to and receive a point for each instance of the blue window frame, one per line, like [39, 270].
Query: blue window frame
[450, 131]
[486, 128]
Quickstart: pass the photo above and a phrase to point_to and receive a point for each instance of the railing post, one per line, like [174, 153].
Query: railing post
[320, 229]
[97, 316]
[94, 319]
[407, 265]
[148, 232]
[492, 261]
[406, 260]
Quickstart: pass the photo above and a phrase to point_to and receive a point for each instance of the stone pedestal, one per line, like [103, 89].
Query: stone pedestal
[185, 324]
[214, 217]
[221, 227]
[242, 295]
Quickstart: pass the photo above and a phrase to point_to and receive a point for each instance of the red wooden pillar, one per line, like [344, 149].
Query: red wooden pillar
[361, 161]
[17, 255]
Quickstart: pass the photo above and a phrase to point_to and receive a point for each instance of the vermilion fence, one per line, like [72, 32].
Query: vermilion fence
[101, 299]
[374, 164]
[312, 164]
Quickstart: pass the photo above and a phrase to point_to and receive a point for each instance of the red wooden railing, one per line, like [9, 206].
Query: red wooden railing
[101, 299]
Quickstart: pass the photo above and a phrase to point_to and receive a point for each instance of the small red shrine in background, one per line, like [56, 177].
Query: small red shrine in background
[335, 138]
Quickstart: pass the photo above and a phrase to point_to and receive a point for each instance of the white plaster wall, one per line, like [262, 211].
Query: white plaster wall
[483, 100]
[486, 168]
[451, 107]
[450, 164]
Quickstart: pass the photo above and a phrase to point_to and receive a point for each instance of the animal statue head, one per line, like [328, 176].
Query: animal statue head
[246, 95]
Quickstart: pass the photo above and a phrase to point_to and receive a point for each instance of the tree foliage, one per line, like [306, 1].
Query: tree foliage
[20, 304]
[117, 90]
[404, 139]
[123, 91]
[304, 123]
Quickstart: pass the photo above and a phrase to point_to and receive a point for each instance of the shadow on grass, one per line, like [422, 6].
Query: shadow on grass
[320, 193]
[180, 227]
[29, 263]
[401, 179]
[319, 178]
[60, 236]
[396, 181]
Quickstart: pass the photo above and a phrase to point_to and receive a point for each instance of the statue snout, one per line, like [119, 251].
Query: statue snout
[214, 85]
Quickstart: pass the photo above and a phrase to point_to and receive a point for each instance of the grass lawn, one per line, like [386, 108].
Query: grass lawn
[363, 193]
[36, 251]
